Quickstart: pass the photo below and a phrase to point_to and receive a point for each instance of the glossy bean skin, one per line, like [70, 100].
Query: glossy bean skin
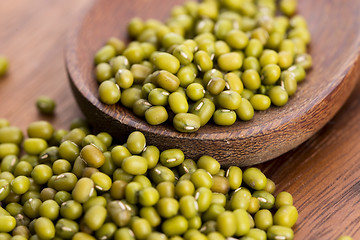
[178, 103]
[161, 173]
[254, 178]
[172, 157]
[92, 156]
[124, 78]
[229, 99]
[242, 222]
[251, 79]
[203, 61]
[106, 231]
[40, 129]
[152, 155]
[270, 74]
[124, 233]
[95, 217]
[156, 115]
[187, 206]
[134, 54]
[130, 95]
[136, 142]
[233, 82]
[266, 199]
[148, 196]
[167, 80]
[8, 223]
[135, 165]
[158, 97]
[82, 236]
[195, 91]
[240, 199]
[230, 61]
[268, 57]
[8, 163]
[234, 175]
[151, 215]
[245, 111]
[119, 212]
[286, 216]
[41, 173]
[141, 228]
[186, 122]
[179, 221]
[94, 140]
[5, 188]
[166, 61]
[140, 107]
[103, 72]
[101, 181]
[118, 154]
[20, 185]
[83, 189]
[203, 197]
[263, 219]
[71, 210]
[69, 150]
[44, 228]
[304, 59]
[216, 85]
[275, 232]
[237, 39]
[209, 164]
[224, 117]
[202, 178]
[187, 74]
[283, 199]
[251, 63]
[183, 54]
[299, 72]
[256, 233]
[288, 81]
[278, 95]
[260, 102]
[49, 209]
[34, 146]
[227, 223]
[205, 109]
[104, 54]
[109, 92]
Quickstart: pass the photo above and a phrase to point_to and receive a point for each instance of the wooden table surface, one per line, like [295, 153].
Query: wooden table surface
[323, 174]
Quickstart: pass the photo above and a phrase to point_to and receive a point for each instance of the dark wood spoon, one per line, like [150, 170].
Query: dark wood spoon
[335, 48]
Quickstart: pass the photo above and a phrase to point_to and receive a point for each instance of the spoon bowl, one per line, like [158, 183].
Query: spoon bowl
[335, 48]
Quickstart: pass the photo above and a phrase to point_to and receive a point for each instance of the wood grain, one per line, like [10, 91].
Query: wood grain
[323, 174]
[36, 64]
[272, 132]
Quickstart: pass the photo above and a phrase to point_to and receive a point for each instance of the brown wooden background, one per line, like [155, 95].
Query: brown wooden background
[323, 174]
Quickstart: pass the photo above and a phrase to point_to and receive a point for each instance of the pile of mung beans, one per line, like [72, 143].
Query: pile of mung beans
[73, 184]
[76, 184]
[216, 60]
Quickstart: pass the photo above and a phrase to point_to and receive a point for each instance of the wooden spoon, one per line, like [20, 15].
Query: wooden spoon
[335, 47]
